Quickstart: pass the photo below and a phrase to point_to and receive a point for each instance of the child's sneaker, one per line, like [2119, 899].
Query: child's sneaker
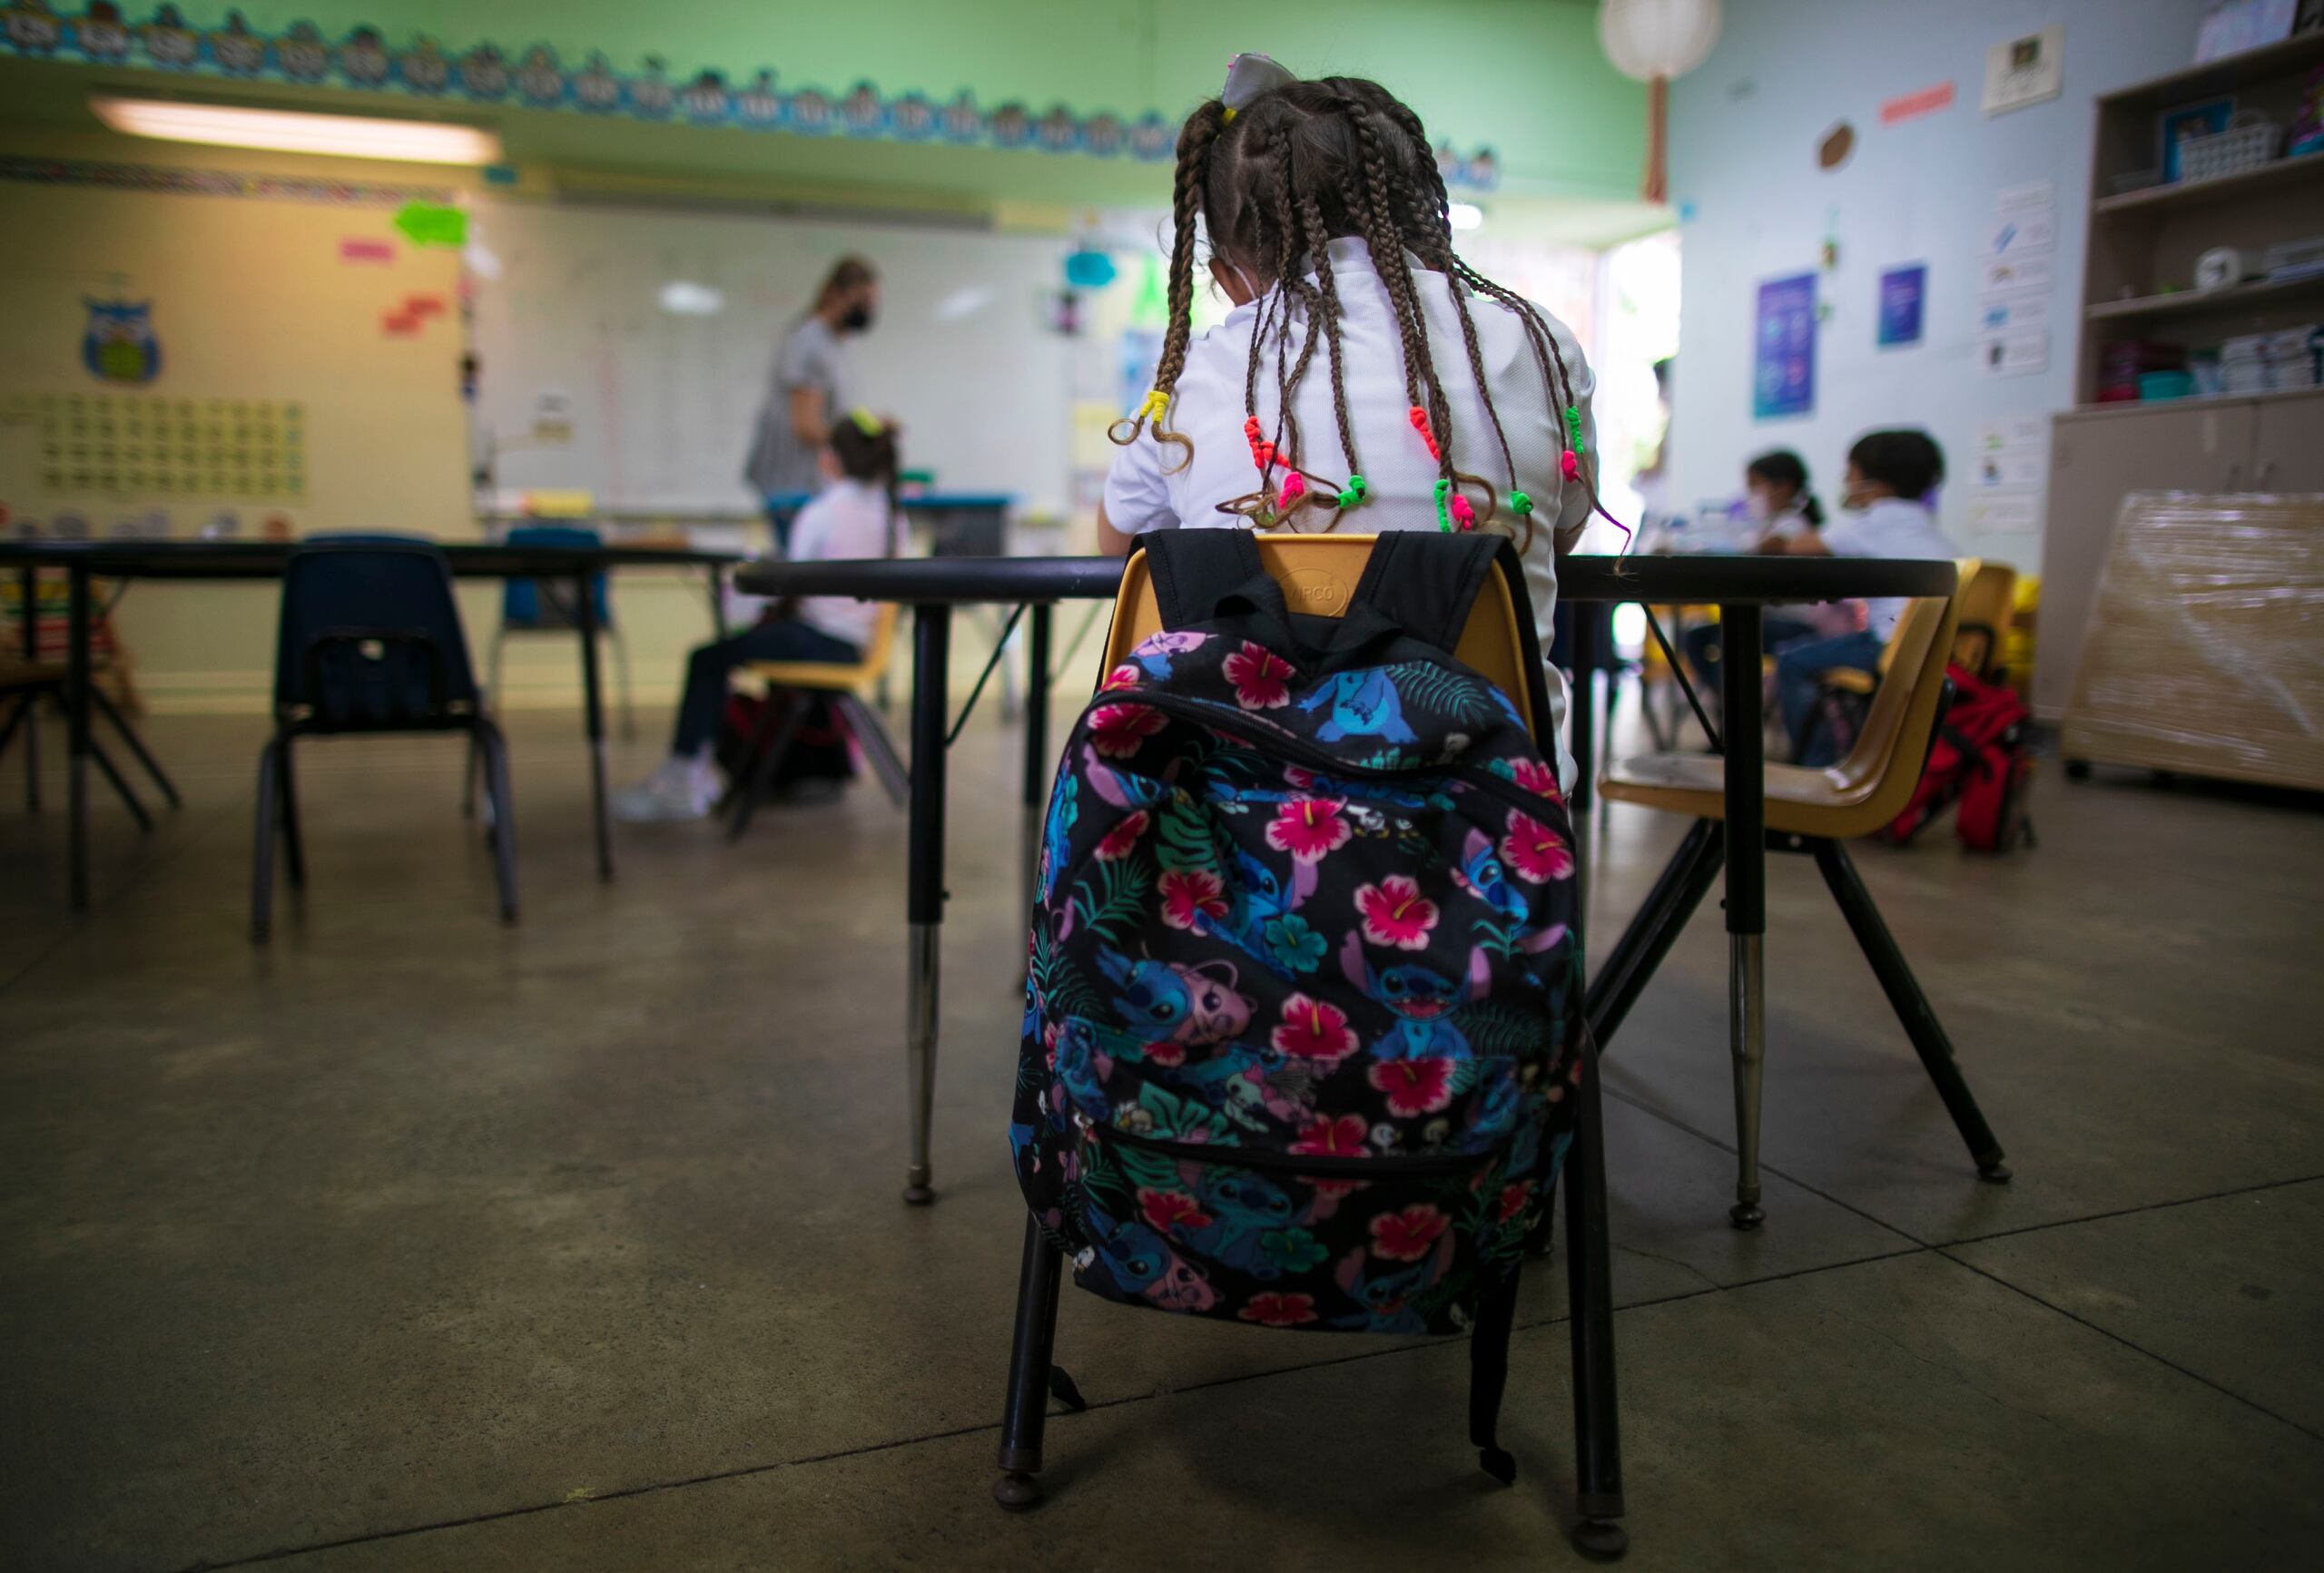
[679, 789]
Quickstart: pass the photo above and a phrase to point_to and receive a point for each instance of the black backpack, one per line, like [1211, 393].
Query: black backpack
[1303, 1013]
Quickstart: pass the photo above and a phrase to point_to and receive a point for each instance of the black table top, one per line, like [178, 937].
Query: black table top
[131, 559]
[1729, 581]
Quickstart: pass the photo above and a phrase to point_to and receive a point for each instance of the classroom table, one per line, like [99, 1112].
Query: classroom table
[83, 561]
[1743, 588]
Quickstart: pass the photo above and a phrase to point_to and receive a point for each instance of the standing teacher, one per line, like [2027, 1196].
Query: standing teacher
[810, 389]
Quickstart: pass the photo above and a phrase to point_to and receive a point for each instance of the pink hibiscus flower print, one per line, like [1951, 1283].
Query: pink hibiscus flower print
[1166, 1053]
[1331, 1138]
[1406, 1236]
[1536, 777]
[1122, 839]
[1274, 1309]
[1535, 852]
[1414, 1087]
[1190, 895]
[1307, 827]
[1122, 676]
[1313, 1030]
[1396, 913]
[1167, 1210]
[1257, 674]
[1513, 1198]
[1116, 730]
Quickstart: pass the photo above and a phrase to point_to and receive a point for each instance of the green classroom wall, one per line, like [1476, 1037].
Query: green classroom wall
[1524, 77]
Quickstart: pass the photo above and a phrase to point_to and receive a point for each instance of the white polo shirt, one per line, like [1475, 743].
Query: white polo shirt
[848, 518]
[1399, 476]
[1888, 527]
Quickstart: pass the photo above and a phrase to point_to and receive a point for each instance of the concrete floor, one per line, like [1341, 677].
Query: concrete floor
[412, 1243]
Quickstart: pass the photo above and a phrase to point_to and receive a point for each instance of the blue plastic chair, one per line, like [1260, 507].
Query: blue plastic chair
[545, 606]
[370, 642]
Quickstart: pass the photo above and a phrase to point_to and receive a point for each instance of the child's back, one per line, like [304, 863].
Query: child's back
[1367, 379]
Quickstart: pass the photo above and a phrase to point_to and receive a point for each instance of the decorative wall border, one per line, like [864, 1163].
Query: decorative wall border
[535, 79]
[121, 177]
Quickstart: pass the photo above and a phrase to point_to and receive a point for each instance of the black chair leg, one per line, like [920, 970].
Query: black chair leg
[1597, 1424]
[878, 747]
[294, 855]
[1027, 1412]
[262, 842]
[137, 746]
[473, 770]
[24, 707]
[1679, 888]
[1912, 1008]
[120, 785]
[777, 727]
[32, 752]
[504, 813]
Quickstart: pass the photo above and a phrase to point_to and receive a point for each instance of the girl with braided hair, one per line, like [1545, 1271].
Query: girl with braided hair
[1367, 378]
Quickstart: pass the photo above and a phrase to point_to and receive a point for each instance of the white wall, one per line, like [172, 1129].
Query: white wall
[1744, 129]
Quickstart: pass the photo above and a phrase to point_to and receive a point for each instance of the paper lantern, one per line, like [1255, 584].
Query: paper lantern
[1654, 41]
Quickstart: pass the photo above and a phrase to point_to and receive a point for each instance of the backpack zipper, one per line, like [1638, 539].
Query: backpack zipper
[1243, 724]
[1322, 1168]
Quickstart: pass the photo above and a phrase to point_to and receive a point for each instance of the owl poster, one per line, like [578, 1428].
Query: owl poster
[118, 345]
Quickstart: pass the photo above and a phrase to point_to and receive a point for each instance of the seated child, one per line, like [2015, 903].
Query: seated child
[1781, 505]
[855, 516]
[1886, 513]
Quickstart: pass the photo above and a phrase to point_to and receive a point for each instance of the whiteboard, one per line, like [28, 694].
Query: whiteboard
[567, 304]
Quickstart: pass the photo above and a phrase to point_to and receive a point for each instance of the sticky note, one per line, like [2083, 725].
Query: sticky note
[432, 224]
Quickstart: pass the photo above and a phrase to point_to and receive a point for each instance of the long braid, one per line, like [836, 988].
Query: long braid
[1194, 143]
[1327, 291]
[1383, 237]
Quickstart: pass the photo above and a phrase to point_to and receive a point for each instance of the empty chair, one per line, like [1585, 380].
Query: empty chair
[370, 643]
[547, 606]
[1812, 810]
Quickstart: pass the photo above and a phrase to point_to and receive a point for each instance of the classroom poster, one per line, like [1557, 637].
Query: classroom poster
[1903, 293]
[1782, 378]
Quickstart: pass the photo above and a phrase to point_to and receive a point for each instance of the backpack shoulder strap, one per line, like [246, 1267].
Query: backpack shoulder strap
[1194, 570]
[1426, 581]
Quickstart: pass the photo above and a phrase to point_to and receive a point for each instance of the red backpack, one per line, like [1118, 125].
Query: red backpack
[1980, 762]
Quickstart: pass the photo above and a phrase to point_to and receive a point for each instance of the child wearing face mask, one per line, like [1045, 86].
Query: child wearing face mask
[1780, 506]
[1888, 503]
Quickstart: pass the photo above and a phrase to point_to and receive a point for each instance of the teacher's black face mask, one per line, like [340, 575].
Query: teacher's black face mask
[856, 318]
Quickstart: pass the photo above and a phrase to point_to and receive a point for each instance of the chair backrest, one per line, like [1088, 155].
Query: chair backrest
[533, 604]
[1318, 574]
[1988, 601]
[369, 638]
[1893, 744]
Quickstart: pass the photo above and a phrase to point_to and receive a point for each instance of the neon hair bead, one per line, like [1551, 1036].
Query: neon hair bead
[1353, 496]
[1443, 514]
[1157, 403]
[1519, 504]
[1294, 485]
[1463, 514]
[1572, 464]
[1574, 425]
[1419, 417]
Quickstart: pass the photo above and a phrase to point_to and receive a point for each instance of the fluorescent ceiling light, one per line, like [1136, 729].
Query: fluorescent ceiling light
[283, 131]
[1464, 215]
[683, 298]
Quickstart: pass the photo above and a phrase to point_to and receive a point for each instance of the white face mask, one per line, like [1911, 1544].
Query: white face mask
[1756, 508]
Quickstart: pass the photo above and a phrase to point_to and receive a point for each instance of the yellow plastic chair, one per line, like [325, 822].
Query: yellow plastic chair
[1318, 576]
[1813, 810]
[846, 685]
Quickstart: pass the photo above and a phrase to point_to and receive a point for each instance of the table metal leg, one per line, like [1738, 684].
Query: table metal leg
[592, 708]
[27, 594]
[1037, 738]
[76, 708]
[1746, 895]
[924, 883]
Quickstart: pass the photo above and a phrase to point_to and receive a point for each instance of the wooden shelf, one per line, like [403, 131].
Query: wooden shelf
[2186, 302]
[2292, 57]
[2205, 401]
[2273, 175]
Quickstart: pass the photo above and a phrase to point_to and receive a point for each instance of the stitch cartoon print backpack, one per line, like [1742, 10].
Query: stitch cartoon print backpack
[1300, 1025]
